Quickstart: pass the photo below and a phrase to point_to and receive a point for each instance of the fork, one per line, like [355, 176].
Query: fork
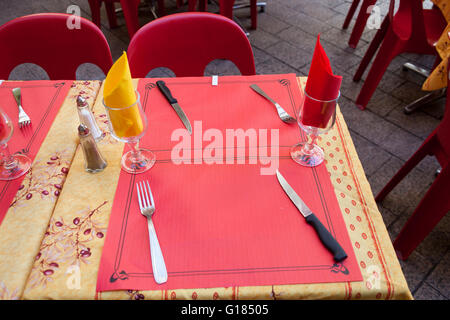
[24, 119]
[284, 116]
[147, 207]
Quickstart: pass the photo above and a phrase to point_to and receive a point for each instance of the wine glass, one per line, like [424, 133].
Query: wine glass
[317, 118]
[12, 166]
[129, 124]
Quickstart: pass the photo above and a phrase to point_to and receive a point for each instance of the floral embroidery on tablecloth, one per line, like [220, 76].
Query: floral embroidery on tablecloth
[135, 295]
[44, 180]
[6, 295]
[66, 243]
[103, 123]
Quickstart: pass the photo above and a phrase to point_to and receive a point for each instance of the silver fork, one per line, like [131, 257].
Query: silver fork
[24, 119]
[284, 116]
[147, 206]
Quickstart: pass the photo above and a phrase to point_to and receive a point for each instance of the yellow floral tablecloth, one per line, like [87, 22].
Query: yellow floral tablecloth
[438, 77]
[52, 250]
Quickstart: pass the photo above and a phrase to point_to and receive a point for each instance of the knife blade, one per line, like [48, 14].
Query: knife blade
[324, 235]
[174, 103]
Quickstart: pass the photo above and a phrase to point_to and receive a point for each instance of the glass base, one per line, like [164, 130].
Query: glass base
[18, 168]
[310, 158]
[143, 163]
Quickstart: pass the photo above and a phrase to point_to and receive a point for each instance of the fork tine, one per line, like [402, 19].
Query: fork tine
[139, 196]
[146, 195]
[142, 195]
[151, 195]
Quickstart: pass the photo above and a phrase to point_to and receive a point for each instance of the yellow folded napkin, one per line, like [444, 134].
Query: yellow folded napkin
[119, 93]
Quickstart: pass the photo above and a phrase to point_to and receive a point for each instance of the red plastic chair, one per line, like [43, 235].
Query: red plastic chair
[225, 9]
[44, 39]
[412, 29]
[436, 202]
[360, 22]
[95, 6]
[187, 42]
[130, 12]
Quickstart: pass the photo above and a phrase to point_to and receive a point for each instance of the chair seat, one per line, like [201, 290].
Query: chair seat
[434, 24]
[433, 20]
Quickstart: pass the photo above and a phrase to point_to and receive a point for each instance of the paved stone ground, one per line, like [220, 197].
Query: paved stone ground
[383, 135]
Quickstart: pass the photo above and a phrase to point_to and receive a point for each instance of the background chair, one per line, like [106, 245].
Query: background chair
[45, 40]
[436, 202]
[360, 22]
[226, 8]
[95, 6]
[412, 29]
[130, 10]
[187, 42]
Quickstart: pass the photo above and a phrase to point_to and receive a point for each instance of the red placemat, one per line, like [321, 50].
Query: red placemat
[41, 100]
[222, 225]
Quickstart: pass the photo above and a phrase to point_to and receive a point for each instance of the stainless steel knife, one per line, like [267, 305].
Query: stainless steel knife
[325, 236]
[174, 103]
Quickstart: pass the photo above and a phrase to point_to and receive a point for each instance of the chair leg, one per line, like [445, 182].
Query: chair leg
[226, 8]
[421, 153]
[360, 23]
[350, 14]
[130, 12]
[389, 49]
[192, 4]
[373, 47]
[254, 13]
[203, 5]
[161, 8]
[111, 12]
[428, 213]
[95, 11]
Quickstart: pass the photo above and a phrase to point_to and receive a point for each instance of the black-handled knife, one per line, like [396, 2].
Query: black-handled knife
[174, 103]
[325, 236]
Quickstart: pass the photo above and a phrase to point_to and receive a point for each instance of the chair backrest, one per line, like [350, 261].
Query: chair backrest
[46, 40]
[186, 42]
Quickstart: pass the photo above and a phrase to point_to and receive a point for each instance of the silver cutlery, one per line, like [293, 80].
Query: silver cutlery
[24, 119]
[284, 116]
[174, 103]
[147, 207]
[324, 235]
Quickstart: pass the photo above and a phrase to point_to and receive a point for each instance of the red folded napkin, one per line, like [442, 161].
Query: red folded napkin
[322, 84]
[3, 129]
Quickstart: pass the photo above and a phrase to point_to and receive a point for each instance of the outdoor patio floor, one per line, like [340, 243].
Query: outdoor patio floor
[383, 135]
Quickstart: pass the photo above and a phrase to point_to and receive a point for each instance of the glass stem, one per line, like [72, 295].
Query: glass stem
[136, 156]
[309, 146]
[8, 159]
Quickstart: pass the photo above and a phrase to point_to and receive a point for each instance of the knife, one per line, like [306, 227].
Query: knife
[174, 103]
[327, 239]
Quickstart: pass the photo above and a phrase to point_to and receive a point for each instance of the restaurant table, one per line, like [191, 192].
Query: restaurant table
[45, 256]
